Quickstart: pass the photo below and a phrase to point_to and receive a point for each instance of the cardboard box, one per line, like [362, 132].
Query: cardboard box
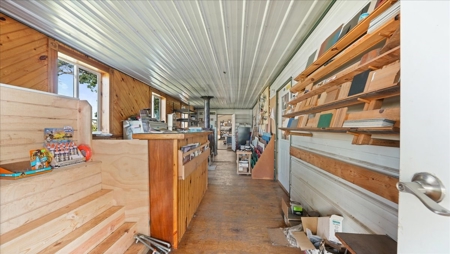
[324, 227]
[289, 218]
[328, 226]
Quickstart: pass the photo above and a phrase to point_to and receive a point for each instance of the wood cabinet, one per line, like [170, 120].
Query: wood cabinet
[173, 201]
[366, 73]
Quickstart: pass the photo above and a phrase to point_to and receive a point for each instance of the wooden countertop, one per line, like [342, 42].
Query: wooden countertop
[156, 136]
[367, 243]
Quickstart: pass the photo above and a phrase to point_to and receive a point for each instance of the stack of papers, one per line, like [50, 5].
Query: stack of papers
[368, 123]
[384, 17]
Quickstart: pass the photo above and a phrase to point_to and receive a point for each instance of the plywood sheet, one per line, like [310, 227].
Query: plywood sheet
[125, 170]
[385, 77]
[264, 168]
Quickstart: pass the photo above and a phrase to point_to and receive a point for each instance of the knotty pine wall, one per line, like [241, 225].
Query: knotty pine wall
[28, 59]
[23, 55]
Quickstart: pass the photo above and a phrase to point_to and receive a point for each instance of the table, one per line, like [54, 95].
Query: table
[368, 243]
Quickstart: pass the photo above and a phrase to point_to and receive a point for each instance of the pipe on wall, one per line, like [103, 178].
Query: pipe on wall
[207, 111]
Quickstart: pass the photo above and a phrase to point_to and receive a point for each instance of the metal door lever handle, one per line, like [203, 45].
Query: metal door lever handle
[428, 189]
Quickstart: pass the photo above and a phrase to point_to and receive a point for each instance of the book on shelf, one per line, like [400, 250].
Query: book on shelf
[381, 122]
[325, 120]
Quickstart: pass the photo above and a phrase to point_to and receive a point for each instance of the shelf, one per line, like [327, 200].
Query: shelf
[184, 170]
[345, 41]
[348, 74]
[350, 101]
[244, 156]
[357, 48]
[359, 130]
[184, 111]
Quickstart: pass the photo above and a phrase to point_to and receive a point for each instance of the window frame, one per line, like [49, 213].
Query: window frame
[154, 95]
[162, 106]
[106, 73]
[76, 85]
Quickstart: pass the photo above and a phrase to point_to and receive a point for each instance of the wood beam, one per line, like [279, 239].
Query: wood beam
[384, 142]
[375, 182]
[303, 134]
[52, 65]
[83, 58]
[388, 113]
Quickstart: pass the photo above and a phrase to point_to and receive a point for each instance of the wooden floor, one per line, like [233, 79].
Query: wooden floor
[235, 213]
[221, 145]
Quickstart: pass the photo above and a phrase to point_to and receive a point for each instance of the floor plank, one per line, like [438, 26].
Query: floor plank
[235, 213]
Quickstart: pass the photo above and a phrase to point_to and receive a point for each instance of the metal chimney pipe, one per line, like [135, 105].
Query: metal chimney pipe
[207, 111]
[207, 116]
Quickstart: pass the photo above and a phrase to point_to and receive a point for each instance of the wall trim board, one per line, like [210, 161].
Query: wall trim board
[67, 50]
[386, 205]
[375, 182]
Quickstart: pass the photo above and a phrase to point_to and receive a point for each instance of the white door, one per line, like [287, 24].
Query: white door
[425, 121]
[233, 132]
[283, 143]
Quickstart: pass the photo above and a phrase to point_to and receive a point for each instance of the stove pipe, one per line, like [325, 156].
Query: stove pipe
[207, 111]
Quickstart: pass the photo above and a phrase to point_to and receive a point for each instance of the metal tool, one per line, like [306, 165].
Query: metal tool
[160, 247]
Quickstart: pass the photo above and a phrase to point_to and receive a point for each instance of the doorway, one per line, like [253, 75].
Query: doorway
[225, 130]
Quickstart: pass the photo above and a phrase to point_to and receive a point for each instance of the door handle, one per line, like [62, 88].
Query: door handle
[428, 189]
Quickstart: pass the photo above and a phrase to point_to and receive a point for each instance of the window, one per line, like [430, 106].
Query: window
[78, 81]
[156, 106]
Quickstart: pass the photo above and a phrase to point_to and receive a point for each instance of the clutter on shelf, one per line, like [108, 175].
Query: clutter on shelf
[58, 150]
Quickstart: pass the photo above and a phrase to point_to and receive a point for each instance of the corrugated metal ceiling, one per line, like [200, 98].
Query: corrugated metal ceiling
[228, 49]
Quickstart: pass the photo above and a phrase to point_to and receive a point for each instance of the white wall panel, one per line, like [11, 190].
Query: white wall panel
[363, 211]
[378, 158]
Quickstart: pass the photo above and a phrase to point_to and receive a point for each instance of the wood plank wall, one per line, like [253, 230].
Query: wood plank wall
[26, 60]
[23, 55]
[24, 113]
[128, 96]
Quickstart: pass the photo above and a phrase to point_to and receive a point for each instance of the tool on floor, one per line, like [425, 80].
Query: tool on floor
[157, 246]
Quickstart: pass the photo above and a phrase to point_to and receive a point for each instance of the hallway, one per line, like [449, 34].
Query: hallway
[235, 213]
